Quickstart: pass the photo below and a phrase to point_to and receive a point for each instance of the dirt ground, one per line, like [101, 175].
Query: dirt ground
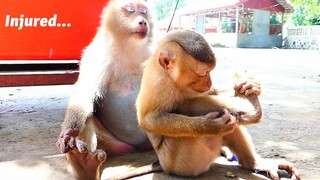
[30, 119]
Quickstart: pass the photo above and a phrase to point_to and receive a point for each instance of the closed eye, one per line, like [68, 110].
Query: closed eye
[202, 75]
[143, 10]
[130, 9]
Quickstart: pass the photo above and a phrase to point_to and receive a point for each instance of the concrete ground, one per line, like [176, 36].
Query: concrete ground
[30, 119]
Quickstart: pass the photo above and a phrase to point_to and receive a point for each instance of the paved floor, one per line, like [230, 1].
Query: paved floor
[30, 119]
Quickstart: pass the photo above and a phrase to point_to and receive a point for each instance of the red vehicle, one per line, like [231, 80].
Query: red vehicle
[41, 41]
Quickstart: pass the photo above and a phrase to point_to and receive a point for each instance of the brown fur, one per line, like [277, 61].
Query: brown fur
[185, 124]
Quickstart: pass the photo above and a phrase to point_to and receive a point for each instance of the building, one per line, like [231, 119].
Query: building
[235, 23]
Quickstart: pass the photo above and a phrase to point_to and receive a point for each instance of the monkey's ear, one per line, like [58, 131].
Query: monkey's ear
[166, 60]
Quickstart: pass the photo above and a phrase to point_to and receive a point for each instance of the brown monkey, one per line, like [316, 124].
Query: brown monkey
[184, 122]
[101, 111]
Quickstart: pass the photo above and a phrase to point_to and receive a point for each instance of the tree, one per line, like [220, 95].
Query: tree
[307, 12]
[164, 8]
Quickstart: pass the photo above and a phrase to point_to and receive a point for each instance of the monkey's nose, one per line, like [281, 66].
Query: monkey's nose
[142, 22]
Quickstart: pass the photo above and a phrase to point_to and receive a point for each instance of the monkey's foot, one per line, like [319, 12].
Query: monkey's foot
[271, 166]
[87, 165]
[225, 152]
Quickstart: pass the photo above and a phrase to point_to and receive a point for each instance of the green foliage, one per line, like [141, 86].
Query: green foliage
[307, 12]
[164, 8]
[274, 19]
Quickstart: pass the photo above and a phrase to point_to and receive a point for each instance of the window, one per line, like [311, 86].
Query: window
[275, 24]
[246, 23]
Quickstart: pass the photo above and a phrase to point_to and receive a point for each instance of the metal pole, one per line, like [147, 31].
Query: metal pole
[174, 12]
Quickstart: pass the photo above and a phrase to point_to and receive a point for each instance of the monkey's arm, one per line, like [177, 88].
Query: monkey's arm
[247, 109]
[244, 102]
[89, 84]
[80, 107]
[81, 103]
[74, 126]
[249, 89]
[253, 116]
[221, 91]
[177, 125]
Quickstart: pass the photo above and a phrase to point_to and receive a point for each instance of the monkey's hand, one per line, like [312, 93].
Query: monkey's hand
[247, 86]
[271, 166]
[68, 140]
[221, 122]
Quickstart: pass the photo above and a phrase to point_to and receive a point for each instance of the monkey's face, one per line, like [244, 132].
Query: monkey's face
[136, 15]
[196, 77]
[189, 74]
[202, 80]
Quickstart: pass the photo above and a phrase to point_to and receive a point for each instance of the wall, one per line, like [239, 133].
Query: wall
[260, 37]
[303, 37]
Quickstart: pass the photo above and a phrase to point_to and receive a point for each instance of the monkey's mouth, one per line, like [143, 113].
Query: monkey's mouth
[141, 34]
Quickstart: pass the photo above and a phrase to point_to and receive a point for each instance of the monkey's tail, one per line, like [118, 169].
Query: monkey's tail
[143, 170]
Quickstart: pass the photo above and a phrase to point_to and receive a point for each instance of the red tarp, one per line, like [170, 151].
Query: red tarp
[51, 30]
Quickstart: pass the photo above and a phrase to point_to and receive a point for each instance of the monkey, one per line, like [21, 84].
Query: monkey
[100, 119]
[185, 120]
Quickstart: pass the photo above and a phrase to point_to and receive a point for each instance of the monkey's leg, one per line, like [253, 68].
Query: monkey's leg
[108, 142]
[85, 159]
[240, 143]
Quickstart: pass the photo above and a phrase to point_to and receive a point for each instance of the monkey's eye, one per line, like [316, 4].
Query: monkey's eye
[143, 10]
[201, 76]
[130, 9]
